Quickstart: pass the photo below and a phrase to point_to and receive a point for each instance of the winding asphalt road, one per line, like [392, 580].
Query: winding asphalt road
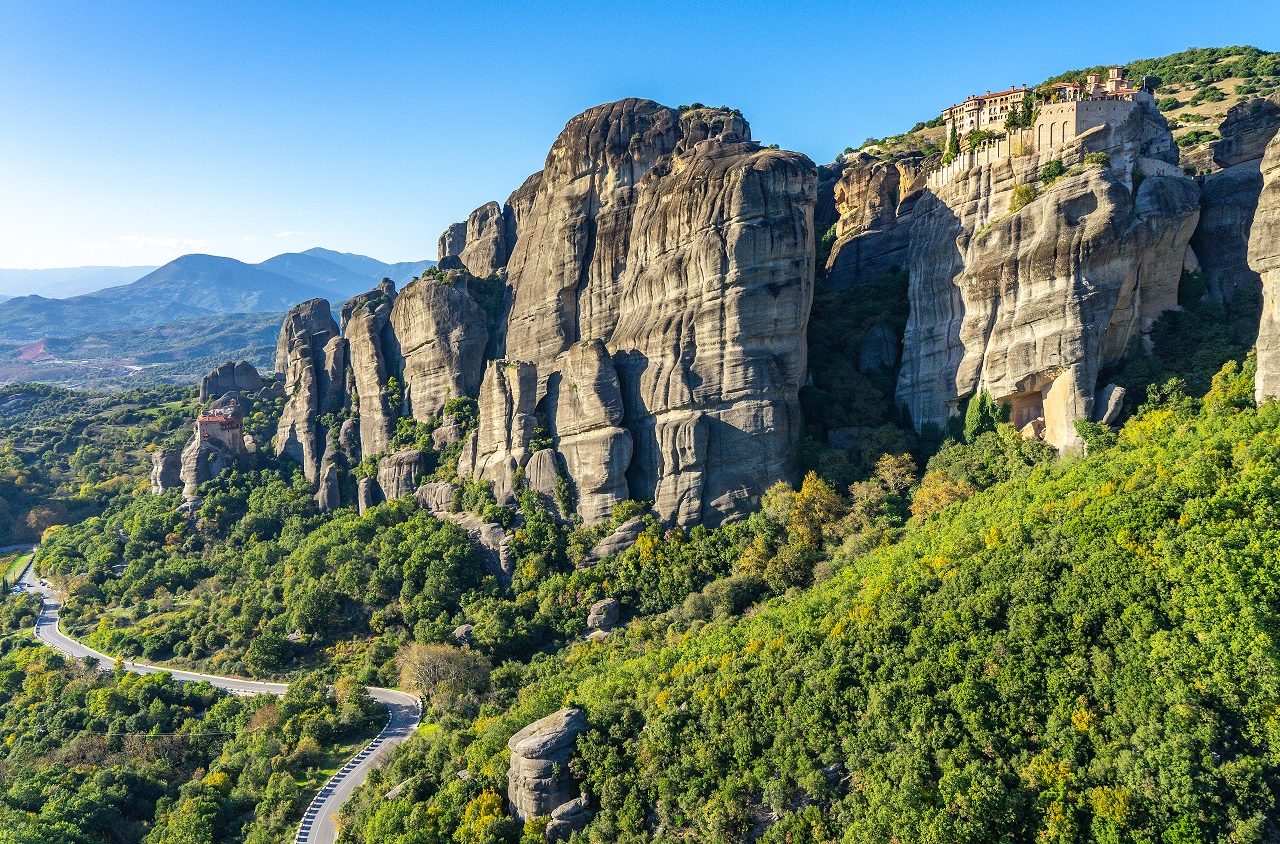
[318, 824]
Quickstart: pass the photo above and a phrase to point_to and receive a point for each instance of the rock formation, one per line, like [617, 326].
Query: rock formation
[313, 359]
[240, 376]
[622, 538]
[1228, 199]
[586, 403]
[1030, 304]
[398, 473]
[604, 614]
[873, 201]
[366, 325]
[568, 818]
[441, 334]
[682, 251]
[166, 470]
[538, 780]
[1264, 257]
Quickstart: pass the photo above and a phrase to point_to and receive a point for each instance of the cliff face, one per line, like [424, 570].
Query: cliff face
[441, 334]
[662, 279]
[647, 340]
[240, 376]
[312, 357]
[873, 202]
[1264, 257]
[366, 324]
[1229, 198]
[1029, 305]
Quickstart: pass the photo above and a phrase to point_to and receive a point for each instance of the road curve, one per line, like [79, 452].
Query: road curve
[318, 824]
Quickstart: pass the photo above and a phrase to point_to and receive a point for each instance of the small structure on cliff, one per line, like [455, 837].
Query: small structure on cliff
[222, 425]
[1062, 112]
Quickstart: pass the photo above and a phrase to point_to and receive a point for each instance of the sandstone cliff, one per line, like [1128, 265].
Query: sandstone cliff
[441, 334]
[873, 201]
[1030, 304]
[684, 252]
[166, 470]
[366, 325]
[657, 277]
[1228, 199]
[1264, 257]
[313, 359]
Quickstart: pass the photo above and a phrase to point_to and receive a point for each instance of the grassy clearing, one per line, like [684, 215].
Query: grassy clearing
[15, 563]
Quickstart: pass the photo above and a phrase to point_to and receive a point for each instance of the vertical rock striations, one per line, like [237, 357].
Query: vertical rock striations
[1264, 257]
[873, 201]
[1029, 304]
[538, 780]
[240, 376]
[313, 359]
[366, 325]
[684, 252]
[441, 334]
[645, 336]
[166, 470]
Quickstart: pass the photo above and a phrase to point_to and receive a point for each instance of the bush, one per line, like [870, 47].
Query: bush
[1052, 171]
[1168, 103]
[1099, 158]
[1022, 196]
[1207, 94]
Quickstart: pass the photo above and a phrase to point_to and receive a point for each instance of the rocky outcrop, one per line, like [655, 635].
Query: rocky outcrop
[604, 614]
[873, 200]
[674, 246]
[313, 359]
[1228, 200]
[1029, 305]
[568, 818]
[450, 246]
[166, 470]
[500, 444]
[648, 323]
[622, 538]
[1248, 128]
[482, 245]
[398, 473]
[240, 376]
[366, 494]
[441, 335]
[201, 462]
[436, 497]
[486, 250]
[586, 402]
[1264, 257]
[374, 357]
[538, 780]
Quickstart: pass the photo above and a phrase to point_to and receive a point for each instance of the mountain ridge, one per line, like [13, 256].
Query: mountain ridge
[195, 285]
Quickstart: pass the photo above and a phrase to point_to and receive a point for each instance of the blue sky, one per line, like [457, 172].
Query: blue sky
[131, 133]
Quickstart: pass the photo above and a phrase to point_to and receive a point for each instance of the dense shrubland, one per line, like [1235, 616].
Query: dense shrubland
[64, 454]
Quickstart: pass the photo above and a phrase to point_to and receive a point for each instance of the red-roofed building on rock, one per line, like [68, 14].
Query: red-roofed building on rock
[987, 111]
[222, 426]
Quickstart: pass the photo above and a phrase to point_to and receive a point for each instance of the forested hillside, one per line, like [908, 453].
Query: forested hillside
[1083, 651]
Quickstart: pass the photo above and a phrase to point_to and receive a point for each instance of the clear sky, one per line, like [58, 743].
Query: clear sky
[131, 133]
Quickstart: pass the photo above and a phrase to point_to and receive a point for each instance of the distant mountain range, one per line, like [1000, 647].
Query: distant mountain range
[200, 285]
[65, 282]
